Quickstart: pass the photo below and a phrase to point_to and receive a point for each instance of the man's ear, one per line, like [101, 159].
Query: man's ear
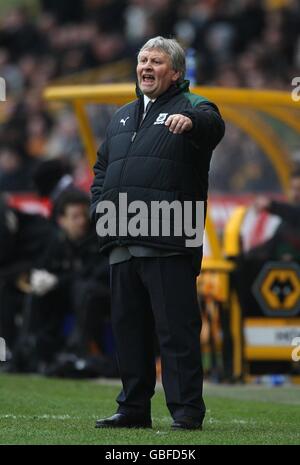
[176, 76]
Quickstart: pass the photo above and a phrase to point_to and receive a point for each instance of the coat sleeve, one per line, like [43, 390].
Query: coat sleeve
[99, 172]
[208, 126]
[288, 213]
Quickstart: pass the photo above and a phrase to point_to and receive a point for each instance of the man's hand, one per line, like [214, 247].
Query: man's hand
[179, 124]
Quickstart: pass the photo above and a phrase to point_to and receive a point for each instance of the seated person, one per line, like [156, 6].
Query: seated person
[70, 278]
[22, 240]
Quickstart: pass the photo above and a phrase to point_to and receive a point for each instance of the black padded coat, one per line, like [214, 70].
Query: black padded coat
[149, 163]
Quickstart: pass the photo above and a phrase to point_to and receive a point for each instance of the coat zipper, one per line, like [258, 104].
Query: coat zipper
[126, 157]
[128, 151]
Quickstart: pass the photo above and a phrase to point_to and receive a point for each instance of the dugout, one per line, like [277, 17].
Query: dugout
[239, 329]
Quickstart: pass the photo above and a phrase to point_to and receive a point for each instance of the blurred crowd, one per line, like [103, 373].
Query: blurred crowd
[247, 43]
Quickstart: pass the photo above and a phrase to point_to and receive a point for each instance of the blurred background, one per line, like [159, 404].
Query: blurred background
[248, 43]
[44, 169]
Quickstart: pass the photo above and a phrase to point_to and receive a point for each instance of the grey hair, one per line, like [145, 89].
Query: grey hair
[172, 48]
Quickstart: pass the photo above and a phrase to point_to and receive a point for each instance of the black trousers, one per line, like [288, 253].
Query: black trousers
[149, 294]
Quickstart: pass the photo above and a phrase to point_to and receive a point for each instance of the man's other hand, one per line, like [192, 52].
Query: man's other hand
[179, 123]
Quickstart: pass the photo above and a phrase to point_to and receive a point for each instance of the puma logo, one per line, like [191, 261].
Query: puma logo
[124, 120]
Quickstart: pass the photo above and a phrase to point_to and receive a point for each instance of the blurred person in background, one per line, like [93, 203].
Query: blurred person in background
[20, 35]
[285, 244]
[157, 148]
[52, 177]
[15, 169]
[22, 242]
[69, 280]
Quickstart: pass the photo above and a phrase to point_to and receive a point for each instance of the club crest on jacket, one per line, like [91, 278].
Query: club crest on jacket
[161, 118]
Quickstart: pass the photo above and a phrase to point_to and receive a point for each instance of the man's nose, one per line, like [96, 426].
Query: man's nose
[147, 66]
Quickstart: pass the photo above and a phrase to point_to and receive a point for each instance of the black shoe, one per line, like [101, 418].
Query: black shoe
[187, 423]
[121, 420]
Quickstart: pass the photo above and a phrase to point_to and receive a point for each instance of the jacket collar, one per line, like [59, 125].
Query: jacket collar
[174, 89]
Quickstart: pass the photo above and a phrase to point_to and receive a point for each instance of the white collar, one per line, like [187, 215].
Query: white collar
[147, 100]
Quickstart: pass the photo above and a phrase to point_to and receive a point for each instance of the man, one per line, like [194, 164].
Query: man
[157, 154]
[285, 244]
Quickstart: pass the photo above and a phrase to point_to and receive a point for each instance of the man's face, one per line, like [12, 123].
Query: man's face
[154, 72]
[75, 221]
[295, 190]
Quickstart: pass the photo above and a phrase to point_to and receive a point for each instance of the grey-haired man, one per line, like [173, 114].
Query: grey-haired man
[154, 153]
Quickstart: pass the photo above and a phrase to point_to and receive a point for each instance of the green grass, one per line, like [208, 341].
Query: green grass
[36, 410]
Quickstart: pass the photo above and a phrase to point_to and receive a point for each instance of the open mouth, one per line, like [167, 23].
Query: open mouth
[148, 78]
